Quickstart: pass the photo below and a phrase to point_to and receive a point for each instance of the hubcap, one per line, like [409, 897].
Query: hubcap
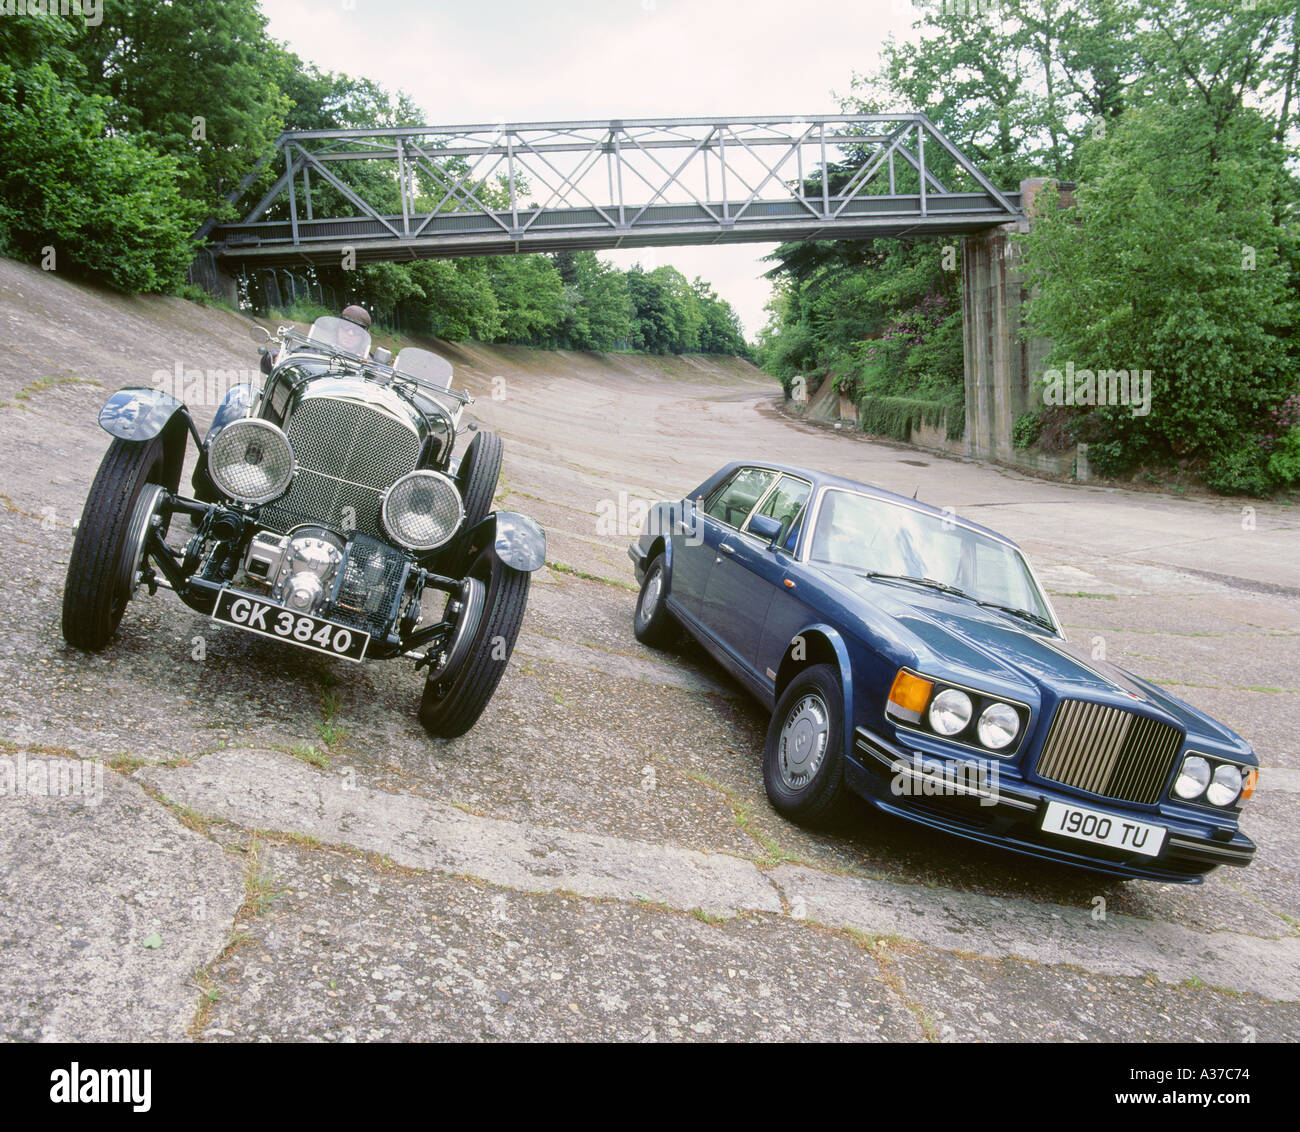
[650, 597]
[802, 745]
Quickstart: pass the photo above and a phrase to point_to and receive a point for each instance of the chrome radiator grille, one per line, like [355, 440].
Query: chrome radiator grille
[1108, 751]
[347, 455]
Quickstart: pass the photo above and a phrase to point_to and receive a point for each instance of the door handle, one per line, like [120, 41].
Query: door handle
[722, 546]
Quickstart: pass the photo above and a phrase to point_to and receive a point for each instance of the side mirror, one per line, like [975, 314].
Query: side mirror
[766, 527]
[259, 334]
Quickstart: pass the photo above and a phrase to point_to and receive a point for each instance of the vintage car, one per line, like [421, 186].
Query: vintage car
[912, 658]
[328, 514]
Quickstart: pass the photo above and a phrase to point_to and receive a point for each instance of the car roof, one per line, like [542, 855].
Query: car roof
[825, 479]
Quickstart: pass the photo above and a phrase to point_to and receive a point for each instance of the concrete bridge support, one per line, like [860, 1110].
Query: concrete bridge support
[1001, 367]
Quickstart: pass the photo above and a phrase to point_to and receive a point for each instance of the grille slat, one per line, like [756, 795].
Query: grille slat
[347, 456]
[1108, 751]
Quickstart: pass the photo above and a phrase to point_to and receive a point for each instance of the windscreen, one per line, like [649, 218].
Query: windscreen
[342, 334]
[875, 536]
[424, 367]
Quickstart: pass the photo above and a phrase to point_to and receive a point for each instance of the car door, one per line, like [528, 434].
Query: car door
[706, 524]
[747, 572]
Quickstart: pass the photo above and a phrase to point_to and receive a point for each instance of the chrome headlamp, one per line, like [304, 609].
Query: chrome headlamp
[251, 461]
[421, 511]
[999, 725]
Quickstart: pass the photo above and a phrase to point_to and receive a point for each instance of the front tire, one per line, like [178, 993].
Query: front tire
[98, 586]
[651, 622]
[478, 475]
[803, 761]
[454, 698]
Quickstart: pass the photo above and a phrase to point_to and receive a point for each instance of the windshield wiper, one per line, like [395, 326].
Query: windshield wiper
[1024, 614]
[930, 582]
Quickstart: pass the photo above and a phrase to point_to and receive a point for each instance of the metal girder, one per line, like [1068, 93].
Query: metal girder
[543, 186]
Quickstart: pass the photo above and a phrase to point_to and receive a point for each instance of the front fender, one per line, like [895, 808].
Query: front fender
[516, 539]
[838, 646]
[139, 413]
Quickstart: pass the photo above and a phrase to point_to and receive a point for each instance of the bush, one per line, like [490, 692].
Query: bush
[896, 417]
[1026, 430]
[1284, 461]
[107, 203]
[1240, 471]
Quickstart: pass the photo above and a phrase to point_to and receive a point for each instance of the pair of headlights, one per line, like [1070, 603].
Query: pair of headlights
[1220, 784]
[949, 713]
[251, 461]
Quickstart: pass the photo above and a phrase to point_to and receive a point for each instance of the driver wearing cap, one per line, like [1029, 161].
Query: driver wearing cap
[354, 331]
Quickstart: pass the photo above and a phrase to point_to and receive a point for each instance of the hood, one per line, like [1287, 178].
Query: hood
[955, 637]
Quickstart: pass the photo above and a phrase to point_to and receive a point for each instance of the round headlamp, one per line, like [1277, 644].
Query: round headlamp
[1225, 786]
[251, 461]
[998, 726]
[1193, 778]
[950, 712]
[422, 511]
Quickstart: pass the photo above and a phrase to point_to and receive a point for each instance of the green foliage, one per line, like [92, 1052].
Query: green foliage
[1173, 262]
[106, 203]
[1241, 470]
[530, 295]
[1284, 461]
[1026, 429]
[162, 66]
[117, 140]
[896, 417]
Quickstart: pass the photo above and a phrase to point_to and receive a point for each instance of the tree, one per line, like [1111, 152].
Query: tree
[105, 202]
[191, 80]
[1171, 262]
[530, 294]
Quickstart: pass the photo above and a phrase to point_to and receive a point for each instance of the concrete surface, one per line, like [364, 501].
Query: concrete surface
[597, 858]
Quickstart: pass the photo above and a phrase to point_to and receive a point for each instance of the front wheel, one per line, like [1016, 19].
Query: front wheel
[110, 537]
[459, 687]
[803, 761]
[652, 623]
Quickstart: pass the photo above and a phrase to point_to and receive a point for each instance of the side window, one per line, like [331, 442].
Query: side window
[733, 502]
[786, 503]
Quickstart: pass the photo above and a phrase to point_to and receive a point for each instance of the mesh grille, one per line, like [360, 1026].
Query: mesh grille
[1108, 751]
[372, 575]
[347, 455]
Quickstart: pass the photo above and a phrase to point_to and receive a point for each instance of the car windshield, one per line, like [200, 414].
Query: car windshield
[878, 538]
[342, 334]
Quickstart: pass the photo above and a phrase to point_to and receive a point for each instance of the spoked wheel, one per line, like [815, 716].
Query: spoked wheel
[109, 547]
[459, 685]
[803, 762]
[652, 623]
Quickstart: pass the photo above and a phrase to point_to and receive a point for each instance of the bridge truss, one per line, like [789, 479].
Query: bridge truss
[428, 191]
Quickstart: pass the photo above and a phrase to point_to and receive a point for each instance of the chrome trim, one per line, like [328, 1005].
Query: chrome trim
[863, 740]
[422, 473]
[1229, 854]
[1109, 751]
[998, 752]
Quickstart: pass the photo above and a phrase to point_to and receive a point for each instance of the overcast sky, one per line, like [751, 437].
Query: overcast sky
[494, 60]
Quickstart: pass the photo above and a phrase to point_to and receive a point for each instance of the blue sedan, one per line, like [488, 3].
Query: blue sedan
[913, 659]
